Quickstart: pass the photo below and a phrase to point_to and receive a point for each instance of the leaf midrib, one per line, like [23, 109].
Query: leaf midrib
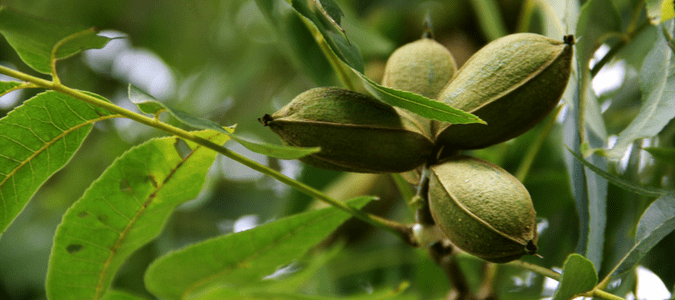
[248, 259]
[46, 145]
[132, 221]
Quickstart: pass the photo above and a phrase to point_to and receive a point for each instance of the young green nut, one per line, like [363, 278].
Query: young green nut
[423, 67]
[356, 133]
[511, 83]
[482, 209]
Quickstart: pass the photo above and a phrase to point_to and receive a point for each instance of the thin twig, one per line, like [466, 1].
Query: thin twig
[401, 230]
[443, 256]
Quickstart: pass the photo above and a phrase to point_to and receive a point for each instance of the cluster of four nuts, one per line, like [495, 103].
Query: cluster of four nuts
[512, 83]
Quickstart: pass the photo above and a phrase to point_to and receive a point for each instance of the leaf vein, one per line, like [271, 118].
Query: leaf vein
[251, 257]
[18, 143]
[37, 152]
[114, 208]
[29, 129]
[75, 112]
[125, 232]
[87, 242]
[9, 158]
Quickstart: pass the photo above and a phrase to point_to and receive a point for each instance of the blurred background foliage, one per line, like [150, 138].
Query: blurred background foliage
[224, 60]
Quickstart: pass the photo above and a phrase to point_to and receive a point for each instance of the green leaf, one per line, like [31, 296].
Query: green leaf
[595, 206]
[344, 50]
[578, 277]
[148, 104]
[37, 139]
[124, 209]
[351, 56]
[34, 38]
[221, 294]
[376, 295]
[489, 18]
[230, 294]
[120, 295]
[635, 52]
[656, 222]
[332, 9]
[629, 186]
[243, 258]
[594, 120]
[666, 155]
[667, 10]
[419, 104]
[593, 26]
[8, 86]
[657, 83]
[589, 189]
[295, 281]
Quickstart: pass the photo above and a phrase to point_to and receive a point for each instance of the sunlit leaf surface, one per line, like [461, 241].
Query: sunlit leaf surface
[242, 258]
[123, 210]
[578, 277]
[36, 140]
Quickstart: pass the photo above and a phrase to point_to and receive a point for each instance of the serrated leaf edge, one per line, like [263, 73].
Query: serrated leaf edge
[122, 235]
